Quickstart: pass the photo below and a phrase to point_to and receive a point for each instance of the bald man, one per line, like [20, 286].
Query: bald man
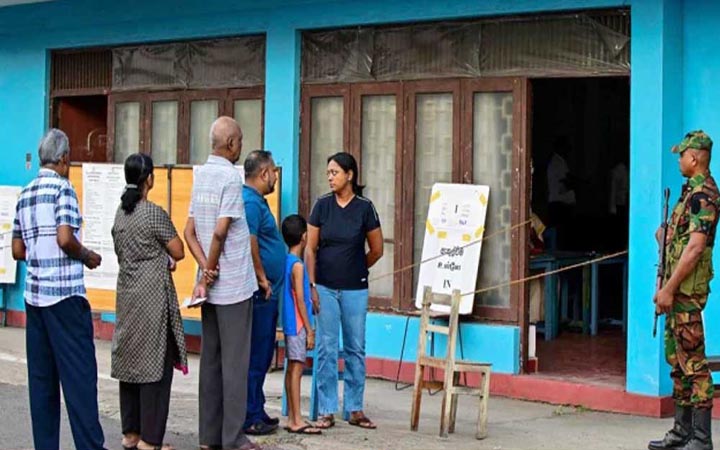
[219, 240]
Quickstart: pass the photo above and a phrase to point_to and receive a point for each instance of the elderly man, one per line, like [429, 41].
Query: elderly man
[269, 254]
[59, 330]
[217, 236]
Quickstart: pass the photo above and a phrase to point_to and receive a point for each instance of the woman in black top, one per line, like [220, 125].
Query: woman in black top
[340, 224]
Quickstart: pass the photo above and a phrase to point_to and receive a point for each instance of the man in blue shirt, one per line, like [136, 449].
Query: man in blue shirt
[268, 253]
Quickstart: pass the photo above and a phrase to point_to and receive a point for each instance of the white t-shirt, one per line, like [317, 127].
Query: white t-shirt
[557, 171]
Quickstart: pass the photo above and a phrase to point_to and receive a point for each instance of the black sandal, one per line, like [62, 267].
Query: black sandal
[306, 429]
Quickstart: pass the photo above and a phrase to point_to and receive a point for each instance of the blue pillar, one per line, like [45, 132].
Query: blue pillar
[282, 108]
[656, 117]
[23, 120]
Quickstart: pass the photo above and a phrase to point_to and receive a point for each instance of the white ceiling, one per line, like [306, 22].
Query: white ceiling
[4, 3]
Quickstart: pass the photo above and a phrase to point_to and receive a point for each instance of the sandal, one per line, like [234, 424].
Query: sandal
[305, 429]
[361, 420]
[325, 422]
[147, 446]
[130, 444]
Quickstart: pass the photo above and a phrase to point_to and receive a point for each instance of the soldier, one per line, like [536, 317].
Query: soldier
[682, 297]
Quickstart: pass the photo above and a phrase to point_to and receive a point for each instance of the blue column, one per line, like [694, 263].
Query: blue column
[23, 120]
[656, 117]
[282, 108]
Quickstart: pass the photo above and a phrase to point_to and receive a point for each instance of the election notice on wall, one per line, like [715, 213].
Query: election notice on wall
[454, 229]
[8, 199]
[103, 185]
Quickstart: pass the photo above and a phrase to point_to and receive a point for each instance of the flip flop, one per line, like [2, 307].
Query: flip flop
[325, 422]
[362, 422]
[307, 429]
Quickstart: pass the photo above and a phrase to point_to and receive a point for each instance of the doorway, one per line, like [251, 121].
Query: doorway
[84, 120]
[580, 160]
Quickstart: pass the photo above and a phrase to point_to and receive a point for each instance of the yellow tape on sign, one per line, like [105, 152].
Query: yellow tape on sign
[435, 196]
[466, 238]
[479, 232]
[483, 199]
[442, 234]
[429, 227]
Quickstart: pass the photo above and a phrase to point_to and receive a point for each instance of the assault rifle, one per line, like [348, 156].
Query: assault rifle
[663, 251]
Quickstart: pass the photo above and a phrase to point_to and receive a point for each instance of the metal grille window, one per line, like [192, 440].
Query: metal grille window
[217, 63]
[567, 44]
[81, 69]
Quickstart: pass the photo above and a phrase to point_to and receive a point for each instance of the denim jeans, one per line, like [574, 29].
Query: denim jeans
[349, 309]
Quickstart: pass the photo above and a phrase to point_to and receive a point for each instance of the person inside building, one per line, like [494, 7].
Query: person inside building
[341, 224]
[683, 294]
[148, 340]
[561, 195]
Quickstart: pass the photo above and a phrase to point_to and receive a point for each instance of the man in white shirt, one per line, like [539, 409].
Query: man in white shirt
[218, 238]
[561, 195]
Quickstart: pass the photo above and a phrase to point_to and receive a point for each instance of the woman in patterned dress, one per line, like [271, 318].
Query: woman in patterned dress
[148, 339]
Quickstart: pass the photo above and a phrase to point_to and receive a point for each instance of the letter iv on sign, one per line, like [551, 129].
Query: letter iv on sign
[456, 218]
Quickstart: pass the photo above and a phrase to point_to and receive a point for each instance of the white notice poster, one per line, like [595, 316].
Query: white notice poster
[456, 218]
[8, 199]
[103, 185]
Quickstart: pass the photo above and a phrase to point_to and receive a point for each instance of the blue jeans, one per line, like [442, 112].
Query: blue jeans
[61, 352]
[348, 308]
[262, 347]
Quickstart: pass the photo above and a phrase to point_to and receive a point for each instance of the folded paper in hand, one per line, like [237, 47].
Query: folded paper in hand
[189, 302]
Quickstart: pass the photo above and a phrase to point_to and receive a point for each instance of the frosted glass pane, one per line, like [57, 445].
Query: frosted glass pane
[248, 114]
[378, 175]
[127, 130]
[164, 132]
[492, 166]
[326, 138]
[202, 114]
[433, 157]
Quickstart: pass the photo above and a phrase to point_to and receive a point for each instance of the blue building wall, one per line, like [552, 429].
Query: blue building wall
[675, 66]
[702, 110]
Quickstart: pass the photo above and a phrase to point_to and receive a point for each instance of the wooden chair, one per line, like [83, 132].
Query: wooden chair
[452, 367]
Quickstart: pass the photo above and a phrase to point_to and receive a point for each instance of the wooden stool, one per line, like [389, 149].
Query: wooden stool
[452, 367]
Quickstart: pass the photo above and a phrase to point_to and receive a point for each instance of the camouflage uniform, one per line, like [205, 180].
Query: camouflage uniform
[695, 212]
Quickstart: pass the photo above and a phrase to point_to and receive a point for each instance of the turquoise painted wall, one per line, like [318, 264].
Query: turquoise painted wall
[27, 32]
[496, 344]
[656, 123]
[702, 110]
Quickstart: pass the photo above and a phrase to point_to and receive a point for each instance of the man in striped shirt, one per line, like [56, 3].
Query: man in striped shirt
[60, 348]
[218, 237]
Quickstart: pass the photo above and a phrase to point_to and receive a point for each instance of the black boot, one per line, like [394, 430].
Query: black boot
[681, 431]
[702, 430]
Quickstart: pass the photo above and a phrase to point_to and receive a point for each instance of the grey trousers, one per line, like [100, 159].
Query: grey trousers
[224, 361]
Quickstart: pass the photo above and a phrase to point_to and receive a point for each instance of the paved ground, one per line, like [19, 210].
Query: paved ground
[512, 424]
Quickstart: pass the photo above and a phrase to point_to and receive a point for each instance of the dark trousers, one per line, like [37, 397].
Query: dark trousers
[144, 407]
[60, 350]
[262, 347]
[224, 360]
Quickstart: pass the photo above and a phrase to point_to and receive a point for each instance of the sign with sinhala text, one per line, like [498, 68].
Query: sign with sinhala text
[8, 199]
[456, 218]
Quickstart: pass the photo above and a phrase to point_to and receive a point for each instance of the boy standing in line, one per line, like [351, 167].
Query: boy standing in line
[297, 316]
